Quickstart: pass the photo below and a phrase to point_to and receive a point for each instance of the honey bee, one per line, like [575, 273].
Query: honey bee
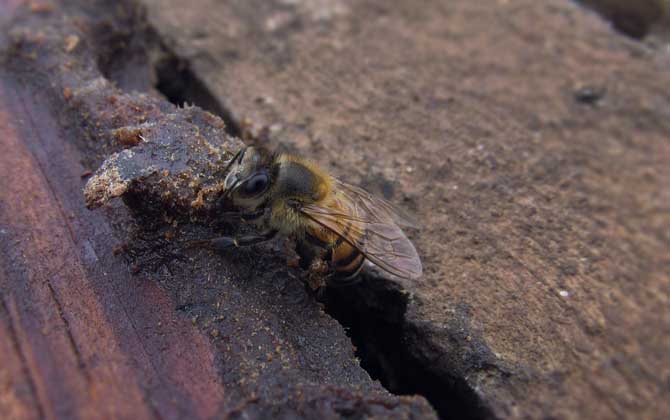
[329, 220]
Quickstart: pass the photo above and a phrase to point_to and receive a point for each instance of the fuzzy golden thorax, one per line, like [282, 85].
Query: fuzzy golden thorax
[296, 180]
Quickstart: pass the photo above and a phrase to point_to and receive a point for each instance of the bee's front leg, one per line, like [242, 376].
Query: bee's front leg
[318, 273]
[227, 242]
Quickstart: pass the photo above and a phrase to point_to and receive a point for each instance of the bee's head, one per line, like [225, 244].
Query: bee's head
[248, 178]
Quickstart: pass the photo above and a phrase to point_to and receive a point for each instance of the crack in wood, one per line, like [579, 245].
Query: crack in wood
[146, 397]
[4, 312]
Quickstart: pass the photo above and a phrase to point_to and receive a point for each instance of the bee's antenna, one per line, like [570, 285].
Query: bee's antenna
[232, 160]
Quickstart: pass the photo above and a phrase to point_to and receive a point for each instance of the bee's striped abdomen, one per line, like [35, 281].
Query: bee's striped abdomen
[345, 258]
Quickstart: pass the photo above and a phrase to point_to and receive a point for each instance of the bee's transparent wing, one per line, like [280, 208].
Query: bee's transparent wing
[370, 229]
[375, 207]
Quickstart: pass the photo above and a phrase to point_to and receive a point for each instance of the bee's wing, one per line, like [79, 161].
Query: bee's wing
[375, 207]
[380, 241]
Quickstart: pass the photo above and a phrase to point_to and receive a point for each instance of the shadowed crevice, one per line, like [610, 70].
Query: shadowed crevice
[373, 315]
[633, 18]
[182, 87]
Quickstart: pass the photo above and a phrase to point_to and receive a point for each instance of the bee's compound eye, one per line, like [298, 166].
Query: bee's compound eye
[255, 185]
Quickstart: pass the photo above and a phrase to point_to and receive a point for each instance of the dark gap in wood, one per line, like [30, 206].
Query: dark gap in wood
[182, 87]
[4, 309]
[632, 18]
[381, 345]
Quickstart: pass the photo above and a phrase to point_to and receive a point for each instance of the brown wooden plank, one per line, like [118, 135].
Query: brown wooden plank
[150, 351]
[18, 398]
[51, 323]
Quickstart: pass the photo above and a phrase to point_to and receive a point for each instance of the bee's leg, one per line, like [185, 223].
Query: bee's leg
[230, 215]
[292, 256]
[313, 260]
[253, 216]
[226, 242]
[317, 274]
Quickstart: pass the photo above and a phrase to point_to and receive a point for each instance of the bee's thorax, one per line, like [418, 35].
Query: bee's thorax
[296, 180]
[300, 179]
